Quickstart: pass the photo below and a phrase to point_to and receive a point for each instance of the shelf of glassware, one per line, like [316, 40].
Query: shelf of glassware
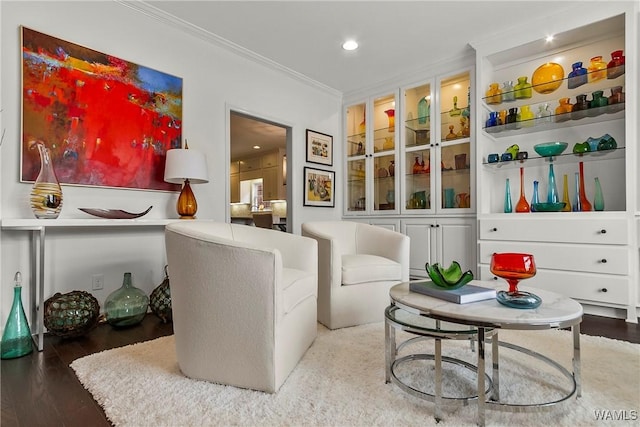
[561, 159]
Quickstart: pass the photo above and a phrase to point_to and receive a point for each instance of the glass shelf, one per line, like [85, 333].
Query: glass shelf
[415, 125]
[557, 121]
[590, 87]
[566, 158]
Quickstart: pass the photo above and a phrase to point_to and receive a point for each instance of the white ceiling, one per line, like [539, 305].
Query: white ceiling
[304, 38]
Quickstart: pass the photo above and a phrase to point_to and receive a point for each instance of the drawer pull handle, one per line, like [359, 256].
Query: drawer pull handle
[603, 231]
[603, 290]
[603, 260]
[494, 229]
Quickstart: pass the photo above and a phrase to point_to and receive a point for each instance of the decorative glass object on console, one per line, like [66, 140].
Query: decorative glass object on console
[615, 67]
[565, 194]
[578, 76]
[126, 306]
[16, 338]
[597, 69]
[508, 206]
[522, 205]
[508, 94]
[585, 205]
[522, 88]
[514, 267]
[46, 193]
[598, 199]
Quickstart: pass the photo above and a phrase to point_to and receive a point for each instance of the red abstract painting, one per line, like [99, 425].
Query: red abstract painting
[106, 121]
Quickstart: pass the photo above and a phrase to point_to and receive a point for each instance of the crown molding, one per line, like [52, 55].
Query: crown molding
[170, 20]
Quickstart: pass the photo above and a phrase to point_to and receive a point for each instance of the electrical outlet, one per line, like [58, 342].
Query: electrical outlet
[97, 281]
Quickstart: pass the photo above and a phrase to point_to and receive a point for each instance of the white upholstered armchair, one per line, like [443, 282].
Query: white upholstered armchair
[357, 265]
[244, 301]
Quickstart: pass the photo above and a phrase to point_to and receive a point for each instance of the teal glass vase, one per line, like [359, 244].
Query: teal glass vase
[598, 200]
[16, 338]
[423, 110]
[508, 204]
[552, 190]
[126, 306]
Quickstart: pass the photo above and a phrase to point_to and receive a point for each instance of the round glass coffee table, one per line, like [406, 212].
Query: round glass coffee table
[430, 317]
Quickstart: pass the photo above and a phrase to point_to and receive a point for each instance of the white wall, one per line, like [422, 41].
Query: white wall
[213, 79]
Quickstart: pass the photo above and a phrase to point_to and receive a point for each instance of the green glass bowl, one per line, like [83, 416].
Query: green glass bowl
[548, 149]
[449, 278]
[548, 207]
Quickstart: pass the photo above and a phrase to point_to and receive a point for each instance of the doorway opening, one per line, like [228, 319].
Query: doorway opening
[258, 169]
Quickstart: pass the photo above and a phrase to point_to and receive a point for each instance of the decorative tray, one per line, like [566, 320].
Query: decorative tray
[114, 213]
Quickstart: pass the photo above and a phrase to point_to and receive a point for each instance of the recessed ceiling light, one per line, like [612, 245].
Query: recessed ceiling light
[350, 45]
[256, 147]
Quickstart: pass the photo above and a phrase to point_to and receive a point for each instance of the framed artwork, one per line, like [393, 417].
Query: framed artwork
[107, 122]
[319, 148]
[319, 187]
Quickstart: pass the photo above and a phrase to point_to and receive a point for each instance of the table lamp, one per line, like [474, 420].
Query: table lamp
[188, 166]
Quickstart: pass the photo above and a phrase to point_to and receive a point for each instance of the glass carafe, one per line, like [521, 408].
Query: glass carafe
[16, 338]
[46, 193]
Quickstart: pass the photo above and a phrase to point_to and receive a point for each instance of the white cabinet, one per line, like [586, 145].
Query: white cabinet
[585, 255]
[234, 183]
[441, 240]
[270, 183]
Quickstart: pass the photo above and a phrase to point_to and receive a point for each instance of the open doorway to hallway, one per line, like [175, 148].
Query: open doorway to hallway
[258, 169]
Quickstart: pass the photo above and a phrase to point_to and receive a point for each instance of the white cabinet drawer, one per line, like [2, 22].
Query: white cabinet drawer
[605, 231]
[581, 258]
[596, 288]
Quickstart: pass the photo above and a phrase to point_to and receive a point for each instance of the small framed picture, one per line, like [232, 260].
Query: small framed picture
[319, 188]
[319, 148]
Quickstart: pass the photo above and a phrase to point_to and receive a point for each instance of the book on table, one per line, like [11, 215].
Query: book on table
[463, 295]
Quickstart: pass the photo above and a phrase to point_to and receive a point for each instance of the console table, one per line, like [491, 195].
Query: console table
[38, 229]
[482, 319]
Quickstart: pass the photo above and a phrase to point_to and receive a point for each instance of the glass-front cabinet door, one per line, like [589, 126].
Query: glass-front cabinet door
[418, 151]
[454, 143]
[371, 156]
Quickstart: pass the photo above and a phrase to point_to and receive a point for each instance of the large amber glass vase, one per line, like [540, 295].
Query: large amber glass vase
[46, 193]
[127, 305]
[16, 338]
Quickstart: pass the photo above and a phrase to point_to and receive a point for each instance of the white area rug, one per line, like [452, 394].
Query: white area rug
[340, 382]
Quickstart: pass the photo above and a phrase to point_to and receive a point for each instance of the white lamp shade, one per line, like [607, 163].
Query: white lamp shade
[184, 164]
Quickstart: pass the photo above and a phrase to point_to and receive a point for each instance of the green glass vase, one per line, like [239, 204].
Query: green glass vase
[16, 338]
[126, 306]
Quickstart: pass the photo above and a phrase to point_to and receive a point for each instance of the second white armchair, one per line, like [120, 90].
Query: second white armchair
[357, 265]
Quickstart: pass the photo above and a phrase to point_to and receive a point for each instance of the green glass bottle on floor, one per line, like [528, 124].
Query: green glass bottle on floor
[126, 306]
[16, 338]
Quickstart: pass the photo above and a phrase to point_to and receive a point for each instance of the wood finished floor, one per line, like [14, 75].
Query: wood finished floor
[41, 389]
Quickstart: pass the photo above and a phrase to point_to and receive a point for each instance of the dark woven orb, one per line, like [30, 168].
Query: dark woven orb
[72, 314]
[160, 300]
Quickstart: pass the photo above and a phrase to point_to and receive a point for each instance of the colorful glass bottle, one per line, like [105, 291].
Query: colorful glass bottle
[552, 190]
[563, 110]
[598, 199]
[508, 94]
[544, 115]
[526, 116]
[508, 206]
[416, 166]
[522, 88]
[597, 69]
[579, 109]
[455, 111]
[578, 76]
[565, 194]
[615, 67]
[16, 338]
[597, 104]
[577, 207]
[522, 205]
[585, 204]
[534, 198]
[423, 110]
[494, 94]
[616, 100]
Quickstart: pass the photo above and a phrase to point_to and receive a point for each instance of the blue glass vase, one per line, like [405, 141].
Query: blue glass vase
[16, 338]
[508, 205]
[552, 189]
[578, 76]
[534, 198]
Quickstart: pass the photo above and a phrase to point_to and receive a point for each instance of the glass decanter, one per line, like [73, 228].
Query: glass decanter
[16, 338]
[46, 193]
